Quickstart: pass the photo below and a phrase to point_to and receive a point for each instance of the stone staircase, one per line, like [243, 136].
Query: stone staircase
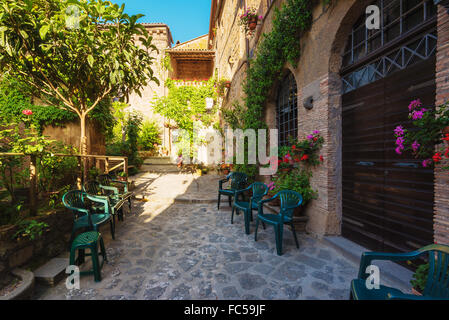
[159, 165]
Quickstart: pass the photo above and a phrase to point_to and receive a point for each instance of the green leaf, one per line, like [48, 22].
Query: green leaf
[90, 60]
[44, 30]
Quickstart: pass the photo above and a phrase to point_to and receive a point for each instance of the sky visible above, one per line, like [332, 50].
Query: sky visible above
[187, 19]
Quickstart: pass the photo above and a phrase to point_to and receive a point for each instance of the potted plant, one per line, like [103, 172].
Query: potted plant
[249, 20]
[430, 129]
[419, 280]
[296, 180]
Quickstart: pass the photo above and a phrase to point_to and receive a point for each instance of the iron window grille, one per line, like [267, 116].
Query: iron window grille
[287, 110]
[399, 18]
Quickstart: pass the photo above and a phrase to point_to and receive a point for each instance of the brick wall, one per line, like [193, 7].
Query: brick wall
[442, 80]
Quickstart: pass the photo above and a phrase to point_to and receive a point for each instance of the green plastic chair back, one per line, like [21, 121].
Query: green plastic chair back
[105, 180]
[260, 190]
[75, 201]
[438, 279]
[93, 187]
[290, 200]
[238, 180]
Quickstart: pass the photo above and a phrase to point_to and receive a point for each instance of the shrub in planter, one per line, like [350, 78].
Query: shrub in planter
[296, 180]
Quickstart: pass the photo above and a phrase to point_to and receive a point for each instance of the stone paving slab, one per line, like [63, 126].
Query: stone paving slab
[166, 250]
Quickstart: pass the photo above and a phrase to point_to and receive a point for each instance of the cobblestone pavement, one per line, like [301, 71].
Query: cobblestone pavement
[169, 250]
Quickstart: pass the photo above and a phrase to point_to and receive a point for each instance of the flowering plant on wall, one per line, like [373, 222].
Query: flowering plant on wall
[430, 129]
[294, 163]
[249, 20]
[221, 85]
[304, 151]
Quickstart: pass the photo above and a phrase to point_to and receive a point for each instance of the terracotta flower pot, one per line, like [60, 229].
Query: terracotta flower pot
[252, 26]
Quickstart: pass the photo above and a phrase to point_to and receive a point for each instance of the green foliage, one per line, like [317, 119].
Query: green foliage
[280, 45]
[30, 229]
[126, 134]
[150, 135]
[295, 163]
[297, 180]
[10, 214]
[277, 47]
[16, 97]
[419, 280]
[187, 104]
[57, 172]
[250, 170]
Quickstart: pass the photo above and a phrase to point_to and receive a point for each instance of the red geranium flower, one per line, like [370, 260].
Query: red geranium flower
[305, 157]
[27, 112]
[446, 138]
[293, 147]
[437, 157]
[321, 158]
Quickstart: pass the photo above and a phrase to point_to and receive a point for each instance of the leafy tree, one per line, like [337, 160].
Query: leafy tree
[77, 52]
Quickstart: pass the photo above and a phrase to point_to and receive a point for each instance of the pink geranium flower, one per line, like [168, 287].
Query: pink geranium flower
[27, 112]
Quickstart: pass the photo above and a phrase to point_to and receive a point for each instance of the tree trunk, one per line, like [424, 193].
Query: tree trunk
[33, 186]
[83, 145]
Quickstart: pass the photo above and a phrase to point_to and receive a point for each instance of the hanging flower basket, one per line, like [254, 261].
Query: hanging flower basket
[249, 20]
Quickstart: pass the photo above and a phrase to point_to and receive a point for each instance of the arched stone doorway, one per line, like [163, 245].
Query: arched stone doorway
[387, 199]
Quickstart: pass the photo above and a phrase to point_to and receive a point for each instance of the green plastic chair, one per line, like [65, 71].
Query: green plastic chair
[259, 190]
[89, 240]
[95, 189]
[238, 181]
[82, 206]
[290, 200]
[437, 287]
[108, 182]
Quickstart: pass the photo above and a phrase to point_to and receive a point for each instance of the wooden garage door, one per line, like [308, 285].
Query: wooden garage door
[387, 198]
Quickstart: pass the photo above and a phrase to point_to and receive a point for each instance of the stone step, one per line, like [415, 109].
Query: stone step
[394, 274]
[158, 161]
[160, 168]
[52, 272]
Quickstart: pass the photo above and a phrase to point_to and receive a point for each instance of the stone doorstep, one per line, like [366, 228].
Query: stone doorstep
[52, 272]
[397, 275]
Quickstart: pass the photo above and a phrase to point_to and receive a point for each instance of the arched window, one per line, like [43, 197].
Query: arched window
[287, 110]
[374, 54]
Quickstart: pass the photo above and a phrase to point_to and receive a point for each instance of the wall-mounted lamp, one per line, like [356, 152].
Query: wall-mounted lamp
[444, 3]
[308, 103]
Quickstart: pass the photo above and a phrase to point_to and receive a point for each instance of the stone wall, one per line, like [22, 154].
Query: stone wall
[162, 40]
[70, 134]
[28, 253]
[317, 75]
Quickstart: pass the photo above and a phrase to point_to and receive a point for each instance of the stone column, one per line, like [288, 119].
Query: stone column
[441, 226]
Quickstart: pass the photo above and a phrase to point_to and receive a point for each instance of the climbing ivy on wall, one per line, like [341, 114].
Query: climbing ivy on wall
[277, 47]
